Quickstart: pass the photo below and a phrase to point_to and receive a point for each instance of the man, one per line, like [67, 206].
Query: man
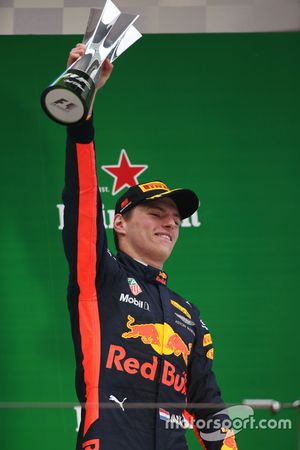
[138, 345]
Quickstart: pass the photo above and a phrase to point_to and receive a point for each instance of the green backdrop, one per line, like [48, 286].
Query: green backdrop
[216, 113]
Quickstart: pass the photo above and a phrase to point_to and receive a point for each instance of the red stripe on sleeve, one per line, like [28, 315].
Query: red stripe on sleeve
[196, 431]
[190, 418]
[89, 322]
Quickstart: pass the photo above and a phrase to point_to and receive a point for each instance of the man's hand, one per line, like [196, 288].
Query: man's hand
[106, 68]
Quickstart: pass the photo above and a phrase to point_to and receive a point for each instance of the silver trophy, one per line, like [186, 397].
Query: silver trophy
[69, 99]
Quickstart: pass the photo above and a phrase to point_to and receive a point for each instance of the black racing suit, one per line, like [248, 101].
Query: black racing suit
[135, 340]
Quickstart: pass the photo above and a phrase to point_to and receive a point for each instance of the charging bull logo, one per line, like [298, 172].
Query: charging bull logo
[162, 338]
[147, 332]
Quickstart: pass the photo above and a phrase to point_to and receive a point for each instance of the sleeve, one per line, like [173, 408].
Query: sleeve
[85, 246]
[84, 234]
[202, 388]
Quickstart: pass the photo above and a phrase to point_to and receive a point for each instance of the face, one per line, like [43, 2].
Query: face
[150, 231]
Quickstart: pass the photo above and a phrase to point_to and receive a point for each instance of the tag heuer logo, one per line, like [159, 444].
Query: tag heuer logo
[134, 287]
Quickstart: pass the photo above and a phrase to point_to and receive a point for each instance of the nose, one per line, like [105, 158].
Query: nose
[170, 221]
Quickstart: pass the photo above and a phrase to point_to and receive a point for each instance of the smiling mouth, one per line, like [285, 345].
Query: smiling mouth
[165, 236]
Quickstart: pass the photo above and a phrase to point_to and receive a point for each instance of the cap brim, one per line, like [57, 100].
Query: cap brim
[186, 200]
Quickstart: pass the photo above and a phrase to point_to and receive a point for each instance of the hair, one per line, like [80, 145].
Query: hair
[116, 240]
[126, 215]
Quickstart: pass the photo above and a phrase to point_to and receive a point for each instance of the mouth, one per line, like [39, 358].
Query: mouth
[167, 237]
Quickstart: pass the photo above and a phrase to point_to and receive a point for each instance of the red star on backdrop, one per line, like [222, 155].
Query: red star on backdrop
[125, 174]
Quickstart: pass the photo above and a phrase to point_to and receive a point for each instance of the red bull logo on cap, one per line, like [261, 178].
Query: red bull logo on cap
[153, 186]
[124, 203]
[162, 338]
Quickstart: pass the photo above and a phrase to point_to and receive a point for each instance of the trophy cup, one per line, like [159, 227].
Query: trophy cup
[69, 99]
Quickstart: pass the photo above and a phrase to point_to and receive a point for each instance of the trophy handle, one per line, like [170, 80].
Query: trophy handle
[130, 37]
[94, 17]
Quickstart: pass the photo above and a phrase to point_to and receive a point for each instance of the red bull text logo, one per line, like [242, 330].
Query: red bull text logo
[162, 338]
[117, 358]
[153, 186]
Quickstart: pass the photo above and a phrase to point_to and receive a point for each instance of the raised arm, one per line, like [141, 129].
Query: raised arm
[85, 246]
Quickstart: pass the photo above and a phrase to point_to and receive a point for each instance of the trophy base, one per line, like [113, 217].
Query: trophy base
[68, 99]
[63, 106]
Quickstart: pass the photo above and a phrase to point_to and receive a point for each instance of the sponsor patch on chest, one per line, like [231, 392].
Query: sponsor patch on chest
[134, 286]
[125, 298]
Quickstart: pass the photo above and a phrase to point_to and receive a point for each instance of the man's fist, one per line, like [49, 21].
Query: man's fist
[75, 53]
[106, 67]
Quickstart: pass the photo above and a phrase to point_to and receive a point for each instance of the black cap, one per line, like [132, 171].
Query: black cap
[186, 200]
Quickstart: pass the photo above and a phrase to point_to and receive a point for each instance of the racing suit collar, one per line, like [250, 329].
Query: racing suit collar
[143, 270]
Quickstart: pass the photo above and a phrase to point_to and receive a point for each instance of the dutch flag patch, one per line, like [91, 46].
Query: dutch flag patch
[163, 414]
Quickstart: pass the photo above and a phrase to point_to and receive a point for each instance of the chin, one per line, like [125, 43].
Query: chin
[160, 253]
[164, 255]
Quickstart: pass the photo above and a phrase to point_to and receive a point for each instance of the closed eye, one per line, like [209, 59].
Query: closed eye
[158, 212]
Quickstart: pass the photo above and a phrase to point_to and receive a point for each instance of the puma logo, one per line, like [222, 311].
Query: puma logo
[114, 399]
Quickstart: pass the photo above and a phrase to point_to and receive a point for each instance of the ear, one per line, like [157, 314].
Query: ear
[119, 224]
